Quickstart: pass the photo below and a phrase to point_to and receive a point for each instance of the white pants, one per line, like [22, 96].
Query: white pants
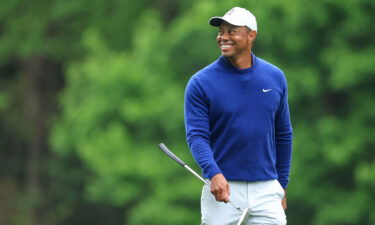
[263, 199]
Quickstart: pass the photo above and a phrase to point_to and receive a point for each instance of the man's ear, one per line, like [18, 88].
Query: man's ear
[252, 35]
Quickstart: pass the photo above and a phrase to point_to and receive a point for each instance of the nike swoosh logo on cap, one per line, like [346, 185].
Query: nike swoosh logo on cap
[266, 90]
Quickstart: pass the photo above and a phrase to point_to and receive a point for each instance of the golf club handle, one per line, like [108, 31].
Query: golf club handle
[171, 155]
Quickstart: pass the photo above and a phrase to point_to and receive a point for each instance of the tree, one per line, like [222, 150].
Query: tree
[123, 67]
[38, 40]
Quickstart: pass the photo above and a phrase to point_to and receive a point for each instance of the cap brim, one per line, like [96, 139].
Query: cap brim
[216, 21]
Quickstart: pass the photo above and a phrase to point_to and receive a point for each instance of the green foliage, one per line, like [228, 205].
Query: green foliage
[118, 106]
[4, 101]
[117, 109]
[126, 64]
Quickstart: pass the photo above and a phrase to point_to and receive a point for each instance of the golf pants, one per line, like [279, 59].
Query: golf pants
[263, 199]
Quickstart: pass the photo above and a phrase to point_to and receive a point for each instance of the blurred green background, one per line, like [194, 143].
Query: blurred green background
[89, 88]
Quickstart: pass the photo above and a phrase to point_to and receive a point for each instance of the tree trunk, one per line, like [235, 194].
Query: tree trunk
[43, 80]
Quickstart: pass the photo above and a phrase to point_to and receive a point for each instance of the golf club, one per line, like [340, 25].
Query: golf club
[243, 216]
[183, 164]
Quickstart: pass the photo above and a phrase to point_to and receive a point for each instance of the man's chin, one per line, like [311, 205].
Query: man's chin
[226, 54]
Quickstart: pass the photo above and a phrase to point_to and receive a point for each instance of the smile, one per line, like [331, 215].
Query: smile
[225, 46]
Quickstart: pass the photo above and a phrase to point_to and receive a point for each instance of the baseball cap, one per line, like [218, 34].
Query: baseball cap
[236, 16]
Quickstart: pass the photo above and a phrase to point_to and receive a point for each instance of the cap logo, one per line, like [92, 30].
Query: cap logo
[230, 12]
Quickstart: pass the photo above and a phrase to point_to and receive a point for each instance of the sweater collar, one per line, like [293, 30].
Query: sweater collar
[223, 61]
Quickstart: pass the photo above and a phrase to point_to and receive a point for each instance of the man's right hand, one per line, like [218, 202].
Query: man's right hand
[220, 188]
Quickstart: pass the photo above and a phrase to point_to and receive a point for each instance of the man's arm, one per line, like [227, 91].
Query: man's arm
[197, 126]
[283, 138]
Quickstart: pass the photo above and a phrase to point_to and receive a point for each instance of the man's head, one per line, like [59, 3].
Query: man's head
[237, 32]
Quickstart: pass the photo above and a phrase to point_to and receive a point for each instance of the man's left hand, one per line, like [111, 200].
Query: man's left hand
[283, 202]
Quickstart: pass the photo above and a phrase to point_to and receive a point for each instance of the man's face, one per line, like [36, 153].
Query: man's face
[235, 41]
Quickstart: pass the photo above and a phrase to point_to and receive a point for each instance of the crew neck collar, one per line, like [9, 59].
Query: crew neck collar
[229, 66]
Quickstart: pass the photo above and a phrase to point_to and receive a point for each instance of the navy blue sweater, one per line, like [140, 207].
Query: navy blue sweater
[237, 121]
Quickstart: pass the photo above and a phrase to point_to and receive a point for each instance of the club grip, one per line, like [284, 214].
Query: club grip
[170, 154]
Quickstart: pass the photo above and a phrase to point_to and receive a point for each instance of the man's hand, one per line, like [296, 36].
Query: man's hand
[283, 202]
[220, 188]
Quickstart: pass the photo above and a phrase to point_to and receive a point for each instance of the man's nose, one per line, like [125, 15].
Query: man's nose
[224, 36]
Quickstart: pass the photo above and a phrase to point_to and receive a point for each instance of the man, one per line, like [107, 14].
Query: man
[238, 128]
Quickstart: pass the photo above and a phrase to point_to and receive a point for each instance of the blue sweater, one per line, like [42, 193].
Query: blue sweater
[237, 121]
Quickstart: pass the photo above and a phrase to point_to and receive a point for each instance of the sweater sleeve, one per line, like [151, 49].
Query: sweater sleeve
[283, 138]
[197, 125]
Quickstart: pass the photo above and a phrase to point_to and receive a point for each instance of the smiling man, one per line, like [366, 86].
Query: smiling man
[238, 128]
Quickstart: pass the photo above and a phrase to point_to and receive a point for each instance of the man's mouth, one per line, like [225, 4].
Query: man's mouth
[225, 46]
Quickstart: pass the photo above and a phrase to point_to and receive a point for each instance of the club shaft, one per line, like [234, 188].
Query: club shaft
[197, 175]
[242, 216]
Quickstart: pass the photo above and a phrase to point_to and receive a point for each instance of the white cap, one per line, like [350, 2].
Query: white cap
[236, 16]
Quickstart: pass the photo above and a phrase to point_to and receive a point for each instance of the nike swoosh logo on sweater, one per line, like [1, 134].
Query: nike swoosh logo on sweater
[266, 90]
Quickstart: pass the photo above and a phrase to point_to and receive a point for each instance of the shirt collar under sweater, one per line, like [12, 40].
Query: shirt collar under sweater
[226, 64]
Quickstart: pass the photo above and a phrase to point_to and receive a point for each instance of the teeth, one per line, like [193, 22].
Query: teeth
[225, 46]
